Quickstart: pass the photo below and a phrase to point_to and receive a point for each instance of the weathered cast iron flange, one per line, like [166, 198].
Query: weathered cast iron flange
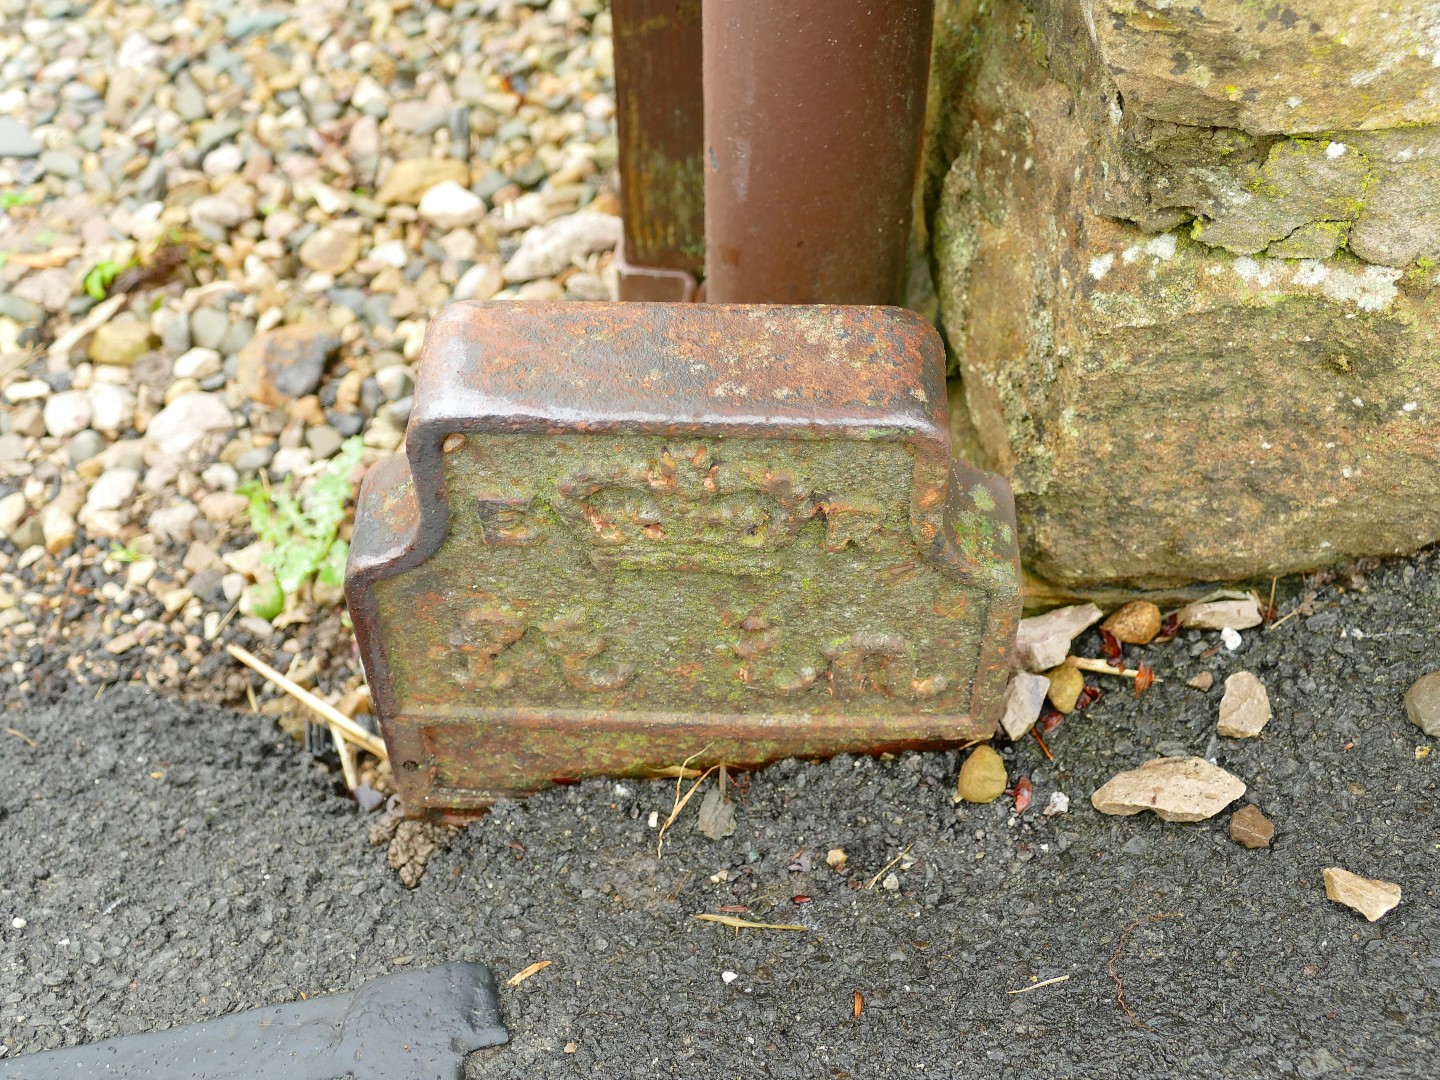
[623, 536]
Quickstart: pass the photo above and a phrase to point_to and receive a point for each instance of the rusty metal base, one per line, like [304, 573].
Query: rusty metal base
[624, 536]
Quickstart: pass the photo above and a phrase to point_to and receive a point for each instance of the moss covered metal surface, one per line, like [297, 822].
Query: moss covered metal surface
[625, 535]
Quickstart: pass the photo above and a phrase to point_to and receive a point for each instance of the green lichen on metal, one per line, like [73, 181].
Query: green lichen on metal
[572, 577]
[666, 212]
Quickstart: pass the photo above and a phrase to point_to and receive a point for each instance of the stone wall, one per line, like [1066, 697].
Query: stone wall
[1186, 263]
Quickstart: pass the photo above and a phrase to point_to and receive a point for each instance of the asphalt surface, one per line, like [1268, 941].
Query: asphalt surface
[173, 863]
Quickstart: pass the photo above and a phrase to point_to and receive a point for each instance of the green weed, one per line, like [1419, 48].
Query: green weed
[305, 537]
[98, 279]
[124, 553]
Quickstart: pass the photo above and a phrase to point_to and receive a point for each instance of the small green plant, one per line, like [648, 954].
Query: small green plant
[124, 553]
[305, 536]
[98, 279]
[9, 200]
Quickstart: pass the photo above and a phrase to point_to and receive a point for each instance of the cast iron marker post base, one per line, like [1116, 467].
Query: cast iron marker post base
[622, 536]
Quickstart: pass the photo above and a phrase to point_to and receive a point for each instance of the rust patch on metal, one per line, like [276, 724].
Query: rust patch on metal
[622, 535]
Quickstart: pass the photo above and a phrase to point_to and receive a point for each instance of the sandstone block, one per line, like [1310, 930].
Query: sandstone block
[1213, 63]
[1170, 409]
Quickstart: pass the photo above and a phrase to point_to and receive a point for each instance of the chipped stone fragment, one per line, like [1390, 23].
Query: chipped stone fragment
[1245, 708]
[551, 248]
[1422, 704]
[1222, 615]
[1176, 789]
[409, 180]
[1369, 896]
[1024, 698]
[1043, 641]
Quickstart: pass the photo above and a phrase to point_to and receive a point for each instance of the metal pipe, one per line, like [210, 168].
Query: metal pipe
[662, 192]
[814, 112]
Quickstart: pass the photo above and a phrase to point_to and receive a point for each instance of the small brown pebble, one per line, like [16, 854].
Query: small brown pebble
[1203, 681]
[1136, 623]
[1250, 827]
[982, 777]
[1066, 685]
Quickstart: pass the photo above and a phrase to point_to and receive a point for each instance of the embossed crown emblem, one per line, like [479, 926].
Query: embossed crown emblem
[690, 510]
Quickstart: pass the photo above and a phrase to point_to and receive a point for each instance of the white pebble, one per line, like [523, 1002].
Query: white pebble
[1231, 638]
[67, 413]
[18, 923]
[727, 977]
[198, 363]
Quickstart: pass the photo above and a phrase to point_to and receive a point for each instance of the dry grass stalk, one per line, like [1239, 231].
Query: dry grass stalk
[525, 973]
[681, 772]
[348, 729]
[1038, 985]
[746, 924]
[871, 883]
[1102, 667]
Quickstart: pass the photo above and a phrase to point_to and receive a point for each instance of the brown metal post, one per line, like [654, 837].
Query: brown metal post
[814, 111]
[658, 100]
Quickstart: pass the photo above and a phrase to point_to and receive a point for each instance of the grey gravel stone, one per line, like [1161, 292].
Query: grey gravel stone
[346, 423]
[208, 327]
[17, 308]
[84, 447]
[394, 382]
[16, 140]
[59, 163]
[176, 337]
[323, 441]
[237, 335]
[189, 99]
[398, 411]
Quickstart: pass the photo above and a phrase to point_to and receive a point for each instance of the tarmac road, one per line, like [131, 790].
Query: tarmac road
[172, 863]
